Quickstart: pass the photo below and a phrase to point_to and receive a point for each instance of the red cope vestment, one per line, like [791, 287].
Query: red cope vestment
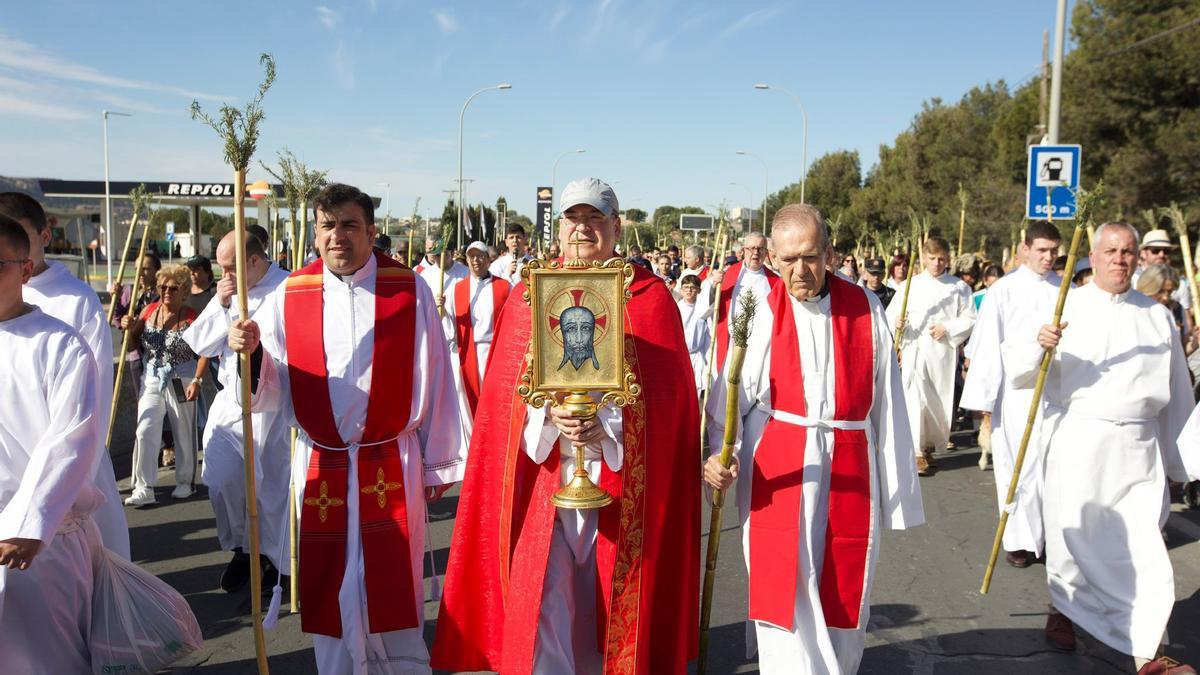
[728, 282]
[383, 521]
[647, 556]
[464, 325]
[775, 523]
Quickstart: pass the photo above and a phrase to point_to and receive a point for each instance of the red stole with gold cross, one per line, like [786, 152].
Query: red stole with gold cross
[776, 518]
[383, 519]
[464, 332]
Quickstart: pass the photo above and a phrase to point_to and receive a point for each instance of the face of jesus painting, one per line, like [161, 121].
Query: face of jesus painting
[578, 326]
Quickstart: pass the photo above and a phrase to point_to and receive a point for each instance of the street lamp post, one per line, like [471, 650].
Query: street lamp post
[750, 226]
[554, 187]
[766, 182]
[461, 116]
[108, 198]
[804, 145]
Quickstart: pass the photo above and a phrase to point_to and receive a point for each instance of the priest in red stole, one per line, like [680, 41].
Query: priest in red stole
[749, 273]
[825, 458]
[352, 350]
[472, 307]
[531, 588]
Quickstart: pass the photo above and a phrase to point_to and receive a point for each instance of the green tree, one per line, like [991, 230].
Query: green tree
[635, 215]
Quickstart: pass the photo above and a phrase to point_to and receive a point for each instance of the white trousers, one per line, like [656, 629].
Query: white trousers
[46, 610]
[566, 639]
[152, 405]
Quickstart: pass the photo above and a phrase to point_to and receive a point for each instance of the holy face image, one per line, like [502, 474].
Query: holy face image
[578, 326]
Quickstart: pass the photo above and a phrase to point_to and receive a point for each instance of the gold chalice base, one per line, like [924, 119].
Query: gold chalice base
[581, 493]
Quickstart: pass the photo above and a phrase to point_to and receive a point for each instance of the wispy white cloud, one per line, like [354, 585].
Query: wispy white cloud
[331, 18]
[559, 14]
[24, 107]
[133, 105]
[372, 5]
[343, 65]
[445, 21]
[752, 20]
[26, 58]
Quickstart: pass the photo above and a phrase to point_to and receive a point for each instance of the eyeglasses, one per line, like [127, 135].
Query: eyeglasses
[164, 288]
[4, 263]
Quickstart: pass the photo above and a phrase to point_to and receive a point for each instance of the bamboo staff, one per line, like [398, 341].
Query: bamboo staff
[1179, 220]
[238, 151]
[904, 300]
[722, 238]
[962, 218]
[134, 290]
[447, 232]
[138, 197]
[739, 331]
[1086, 202]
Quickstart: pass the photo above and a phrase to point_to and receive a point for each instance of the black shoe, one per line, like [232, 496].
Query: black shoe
[237, 572]
[271, 575]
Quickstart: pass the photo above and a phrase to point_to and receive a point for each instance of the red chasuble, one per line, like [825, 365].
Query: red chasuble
[727, 283]
[647, 557]
[383, 519]
[464, 331]
[775, 523]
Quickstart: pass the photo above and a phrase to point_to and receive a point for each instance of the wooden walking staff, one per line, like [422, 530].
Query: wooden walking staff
[138, 197]
[238, 151]
[134, 290]
[1179, 220]
[1085, 202]
[739, 331]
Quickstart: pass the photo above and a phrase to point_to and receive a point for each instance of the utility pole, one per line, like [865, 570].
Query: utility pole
[1060, 25]
[1044, 93]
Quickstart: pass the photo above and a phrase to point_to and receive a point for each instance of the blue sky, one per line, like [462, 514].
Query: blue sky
[660, 94]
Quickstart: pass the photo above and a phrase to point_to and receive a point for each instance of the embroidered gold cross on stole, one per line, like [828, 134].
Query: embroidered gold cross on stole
[323, 501]
[381, 488]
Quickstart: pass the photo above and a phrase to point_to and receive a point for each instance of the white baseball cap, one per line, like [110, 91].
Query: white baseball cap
[477, 246]
[590, 191]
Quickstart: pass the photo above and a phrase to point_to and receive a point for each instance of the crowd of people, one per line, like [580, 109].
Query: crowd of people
[380, 379]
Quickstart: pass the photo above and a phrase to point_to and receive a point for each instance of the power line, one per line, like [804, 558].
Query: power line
[1157, 36]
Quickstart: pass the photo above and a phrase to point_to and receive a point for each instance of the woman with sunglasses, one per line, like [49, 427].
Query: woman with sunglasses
[168, 363]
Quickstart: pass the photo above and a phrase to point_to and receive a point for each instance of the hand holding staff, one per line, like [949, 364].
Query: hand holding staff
[1085, 203]
[238, 151]
[739, 332]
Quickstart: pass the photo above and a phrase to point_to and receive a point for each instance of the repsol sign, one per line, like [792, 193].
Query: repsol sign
[200, 189]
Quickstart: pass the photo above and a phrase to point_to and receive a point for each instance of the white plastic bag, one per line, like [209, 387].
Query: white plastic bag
[139, 623]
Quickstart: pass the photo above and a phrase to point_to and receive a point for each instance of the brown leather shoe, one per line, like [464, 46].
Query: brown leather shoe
[1165, 665]
[1060, 632]
[923, 466]
[1019, 559]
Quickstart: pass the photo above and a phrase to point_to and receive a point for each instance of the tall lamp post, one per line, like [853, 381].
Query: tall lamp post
[554, 188]
[108, 198]
[766, 182]
[804, 145]
[750, 226]
[461, 116]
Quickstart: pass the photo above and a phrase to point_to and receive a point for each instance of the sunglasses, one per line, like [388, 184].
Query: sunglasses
[164, 289]
[4, 263]
[1158, 251]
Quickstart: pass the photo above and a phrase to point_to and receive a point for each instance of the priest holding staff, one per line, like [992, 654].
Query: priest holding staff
[352, 350]
[824, 460]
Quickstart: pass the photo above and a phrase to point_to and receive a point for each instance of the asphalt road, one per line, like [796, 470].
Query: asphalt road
[927, 614]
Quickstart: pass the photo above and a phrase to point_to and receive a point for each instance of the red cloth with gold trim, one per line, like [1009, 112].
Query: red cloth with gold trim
[647, 557]
[382, 510]
[776, 522]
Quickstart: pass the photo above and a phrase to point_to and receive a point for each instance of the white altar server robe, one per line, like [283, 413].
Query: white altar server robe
[813, 648]
[482, 308]
[696, 334]
[430, 272]
[432, 450]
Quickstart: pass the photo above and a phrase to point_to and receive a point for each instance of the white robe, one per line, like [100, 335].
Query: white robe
[49, 425]
[429, 271]
[1014, 308]
[1117, 396]
[68, 299]
[927, 366]
[499, 268]
[432, 450]
[696, 334]
[812, 647]
[223, 470]
[566, 640]
[757, 282]
[481, 298]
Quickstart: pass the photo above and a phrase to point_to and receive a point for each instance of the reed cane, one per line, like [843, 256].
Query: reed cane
[137, 195]
[1085, 203]
[739, 331]
[712, 348]
[904, 300]
[134, 289]
[1179, 220]
[962, 218]
[293, 558]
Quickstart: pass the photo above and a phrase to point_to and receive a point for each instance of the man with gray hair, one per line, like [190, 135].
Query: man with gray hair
[820, 397]
[749, 273]
[1116, 399]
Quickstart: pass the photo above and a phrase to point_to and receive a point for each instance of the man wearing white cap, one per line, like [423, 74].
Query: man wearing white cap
[472, 307]
[533, 588]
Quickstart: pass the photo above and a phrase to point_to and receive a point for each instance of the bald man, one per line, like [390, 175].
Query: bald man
[811, 567]
[223, 442]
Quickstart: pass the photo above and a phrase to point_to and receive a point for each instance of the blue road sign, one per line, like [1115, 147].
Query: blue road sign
[1053, 168]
